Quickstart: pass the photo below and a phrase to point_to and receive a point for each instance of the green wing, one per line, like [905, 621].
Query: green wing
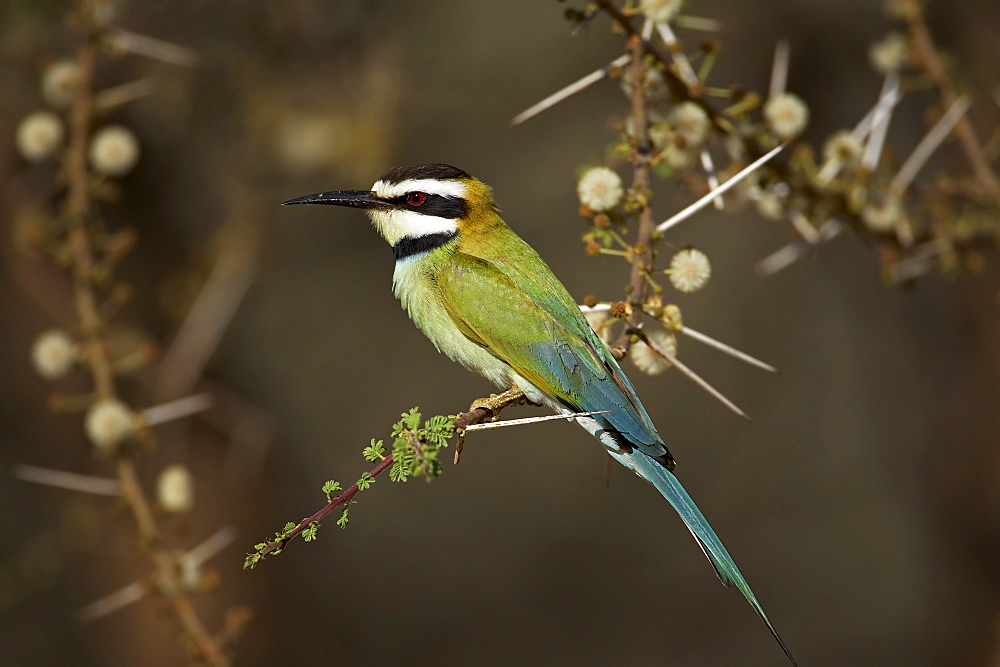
[514, 306]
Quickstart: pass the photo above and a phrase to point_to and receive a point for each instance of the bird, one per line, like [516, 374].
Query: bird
[488, 301]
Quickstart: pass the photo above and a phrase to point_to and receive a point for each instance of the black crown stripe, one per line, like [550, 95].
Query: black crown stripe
[418, 171]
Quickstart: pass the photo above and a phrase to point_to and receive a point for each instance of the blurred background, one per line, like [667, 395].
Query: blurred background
[863, 505]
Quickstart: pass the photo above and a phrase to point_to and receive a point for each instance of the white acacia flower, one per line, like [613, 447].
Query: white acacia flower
[600, 189]
[649, 361]
[661, 11]
[39, 135]
[53, 353]
[690, 122]
[175, 489]
[843, 147]
[60, 82]
[890, 53]
[786, 114]
[108, 422]
[882, 216]
[114, 150]
[689, 270]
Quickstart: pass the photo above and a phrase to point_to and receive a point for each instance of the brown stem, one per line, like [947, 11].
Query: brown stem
[678, 87]
[343, 498]
[78, 211]
[928, 55]
[641, 183]
[463, 420]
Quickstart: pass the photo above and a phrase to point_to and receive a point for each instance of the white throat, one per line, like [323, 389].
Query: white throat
[398, 224]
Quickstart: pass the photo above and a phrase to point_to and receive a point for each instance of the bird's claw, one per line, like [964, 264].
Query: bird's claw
[496, 402]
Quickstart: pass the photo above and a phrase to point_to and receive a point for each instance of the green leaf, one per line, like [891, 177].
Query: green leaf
[375, 451]
[251, 561]
[309, 534]
[365, 481]
[345, 517]
[330, 487]
[399, 471]
[412, 419]
[288, 528]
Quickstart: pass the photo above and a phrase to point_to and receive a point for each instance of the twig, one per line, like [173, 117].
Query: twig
[109, 604]
[120, 95]
[713, 180]
[697, 379]
[530, 420]
[139, 589]
[151, 47]
[642, 184]
[577, 86]
[880, 121]
[218, 541]
[890, 101]
[702, 202]
[786, 255]
[182, 407]
[211, 312]
[726, 349]
[779, 68]
[674, 81]
[343, 498]
[927, 53]
[78, 215]
[462, 422]
[699, 23]
[72, 481]
[928, 145]
[680, 59]
[701, 338]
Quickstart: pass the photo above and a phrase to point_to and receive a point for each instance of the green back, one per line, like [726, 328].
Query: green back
[502, 295]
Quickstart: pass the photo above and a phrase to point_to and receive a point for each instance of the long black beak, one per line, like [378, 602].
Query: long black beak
[354, 198]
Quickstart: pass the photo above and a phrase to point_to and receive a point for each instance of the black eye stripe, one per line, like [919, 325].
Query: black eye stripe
[436, 205]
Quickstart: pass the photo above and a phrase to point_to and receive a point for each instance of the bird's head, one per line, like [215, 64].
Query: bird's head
[420, 206]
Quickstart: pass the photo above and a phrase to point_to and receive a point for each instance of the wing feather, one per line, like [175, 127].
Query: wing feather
[516, 308]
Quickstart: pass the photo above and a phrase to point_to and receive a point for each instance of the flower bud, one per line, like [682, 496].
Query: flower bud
[175, 489]
[53, 353]
[108, 423]
[114, 150]
[39, 135]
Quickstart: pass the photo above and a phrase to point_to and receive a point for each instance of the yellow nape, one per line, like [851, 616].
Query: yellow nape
[483, 210]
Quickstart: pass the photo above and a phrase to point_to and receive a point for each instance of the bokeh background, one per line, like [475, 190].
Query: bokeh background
[862, 505]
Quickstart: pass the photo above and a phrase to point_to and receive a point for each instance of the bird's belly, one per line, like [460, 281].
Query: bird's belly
[418, 295]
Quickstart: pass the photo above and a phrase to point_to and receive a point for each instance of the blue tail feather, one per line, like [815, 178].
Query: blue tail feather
[668, 485]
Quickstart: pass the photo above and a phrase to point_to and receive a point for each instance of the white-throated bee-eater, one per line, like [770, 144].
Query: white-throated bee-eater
[489, 302]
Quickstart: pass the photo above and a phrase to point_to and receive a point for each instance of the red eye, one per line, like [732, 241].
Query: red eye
[416, 198]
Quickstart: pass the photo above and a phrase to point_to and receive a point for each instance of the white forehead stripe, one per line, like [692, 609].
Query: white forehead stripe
[429, 185]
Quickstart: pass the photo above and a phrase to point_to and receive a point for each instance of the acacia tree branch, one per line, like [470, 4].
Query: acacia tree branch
[678, 86]
[924, 44]
[92, 326]
[461, 421]
[642, 260]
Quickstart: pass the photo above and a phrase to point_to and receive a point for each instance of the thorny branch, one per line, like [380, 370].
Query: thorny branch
[642, 189]
[79, 212]
[946, 89]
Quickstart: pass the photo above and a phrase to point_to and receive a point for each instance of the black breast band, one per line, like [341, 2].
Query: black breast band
[408, 246]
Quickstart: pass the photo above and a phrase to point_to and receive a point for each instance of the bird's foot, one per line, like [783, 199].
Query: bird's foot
[494, 404]
[497, 402]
